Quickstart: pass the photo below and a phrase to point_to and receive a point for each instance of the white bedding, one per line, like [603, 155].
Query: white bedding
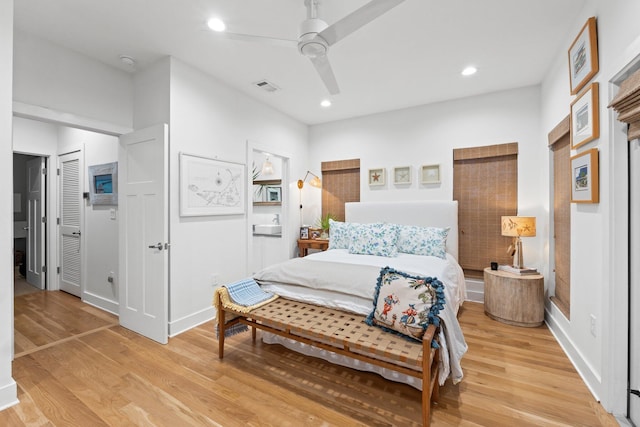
[345, 281]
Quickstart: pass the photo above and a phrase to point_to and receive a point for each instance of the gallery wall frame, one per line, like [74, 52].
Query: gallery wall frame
[377, 177]
[211, 186]
[585, 117]
[585, 178]
[583, 56]
[430, 174]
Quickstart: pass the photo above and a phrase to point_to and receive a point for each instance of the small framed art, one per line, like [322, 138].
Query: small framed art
[304, 233]
[585, 117]
[430, 174]
[584, 177]
[583, 56]
[376, 176]
[402, 175]
[274, 194]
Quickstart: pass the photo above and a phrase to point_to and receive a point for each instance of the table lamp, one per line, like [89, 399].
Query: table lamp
[517, 227]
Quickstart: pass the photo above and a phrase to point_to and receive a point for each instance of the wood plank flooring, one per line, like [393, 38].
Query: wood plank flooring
[76, 367]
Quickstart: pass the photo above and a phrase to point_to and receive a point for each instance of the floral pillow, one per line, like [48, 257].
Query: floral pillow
[406, 304]
[339, 233]
[430, 241]
[374, 239]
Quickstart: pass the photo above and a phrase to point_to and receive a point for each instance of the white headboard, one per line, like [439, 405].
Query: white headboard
[436, 213]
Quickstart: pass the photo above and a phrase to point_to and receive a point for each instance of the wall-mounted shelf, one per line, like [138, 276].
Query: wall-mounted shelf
[267, 182]
[267, 203]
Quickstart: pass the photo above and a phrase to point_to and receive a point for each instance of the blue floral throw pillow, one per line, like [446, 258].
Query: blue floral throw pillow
[374, 239]
[339, 234]
[406, 304]
[430, 241]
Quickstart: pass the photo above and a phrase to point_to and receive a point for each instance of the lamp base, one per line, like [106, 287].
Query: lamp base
[517, 257]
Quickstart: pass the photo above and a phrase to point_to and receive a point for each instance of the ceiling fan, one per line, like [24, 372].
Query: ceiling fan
[316, 36]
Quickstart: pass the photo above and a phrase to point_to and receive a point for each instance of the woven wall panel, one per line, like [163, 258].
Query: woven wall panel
[562, 223]
[485, 152]
[340, 184]
[486, 188]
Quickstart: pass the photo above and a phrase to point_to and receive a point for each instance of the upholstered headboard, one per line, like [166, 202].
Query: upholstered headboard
[436, 213]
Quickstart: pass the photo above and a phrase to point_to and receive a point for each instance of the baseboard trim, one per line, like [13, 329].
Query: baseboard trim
[9, 395]
[101, 303]
[475, 290]
[554, 319]
[183, 324]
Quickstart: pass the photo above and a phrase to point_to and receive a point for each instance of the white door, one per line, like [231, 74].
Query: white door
[144, 232]
[634, 259]
[35, 222]
[70, 237]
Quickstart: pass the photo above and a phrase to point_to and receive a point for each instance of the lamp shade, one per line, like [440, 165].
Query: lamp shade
[315, 181]
[519, 226]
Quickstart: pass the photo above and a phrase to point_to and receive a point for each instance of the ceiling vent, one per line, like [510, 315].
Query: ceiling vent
[266, 86]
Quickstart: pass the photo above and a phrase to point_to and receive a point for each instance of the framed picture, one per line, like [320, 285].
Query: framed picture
[103, 184]
[430, 174]
[402, 175]
[274, 194]
[584, 177]
[376, 176]
[583, 56]
[304, 233]
[585, 118]
[211, 186]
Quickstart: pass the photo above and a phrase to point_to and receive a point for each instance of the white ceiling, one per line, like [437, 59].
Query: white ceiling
[411, 55]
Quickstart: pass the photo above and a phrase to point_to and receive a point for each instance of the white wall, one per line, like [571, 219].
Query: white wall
[55, 78]
[427, 135]
[8, 389]
[598, 231]
[212, 120]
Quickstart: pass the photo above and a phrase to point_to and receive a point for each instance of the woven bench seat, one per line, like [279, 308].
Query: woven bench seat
[343, 333]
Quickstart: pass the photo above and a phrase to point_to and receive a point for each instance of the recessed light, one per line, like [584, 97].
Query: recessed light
[469, 71]
[216, 24]
[325, 103]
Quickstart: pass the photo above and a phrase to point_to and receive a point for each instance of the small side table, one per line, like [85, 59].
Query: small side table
[305, 244]
[514, 299]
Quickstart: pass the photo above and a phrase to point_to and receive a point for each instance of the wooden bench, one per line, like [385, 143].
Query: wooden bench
[343, 333]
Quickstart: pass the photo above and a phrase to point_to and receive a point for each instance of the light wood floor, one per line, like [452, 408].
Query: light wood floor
[76, 367]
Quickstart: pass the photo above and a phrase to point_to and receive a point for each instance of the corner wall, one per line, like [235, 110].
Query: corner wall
[8, 388]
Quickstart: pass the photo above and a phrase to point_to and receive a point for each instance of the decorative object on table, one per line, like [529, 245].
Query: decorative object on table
[585, 117]
[324, 223]
[583, 56]
[376, 177]
[584, 177]
[103, 184]
[517, 227]
[430, 174]
[211, 186]
[304, 233]
[519, 271]
[494, 265]
[274, 194]
[402, 175]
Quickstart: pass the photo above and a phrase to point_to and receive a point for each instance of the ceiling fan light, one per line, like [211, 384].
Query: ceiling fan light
[216, 24]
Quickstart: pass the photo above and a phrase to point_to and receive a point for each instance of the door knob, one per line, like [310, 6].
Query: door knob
[158, 246]
[25, 228]
[76, 233]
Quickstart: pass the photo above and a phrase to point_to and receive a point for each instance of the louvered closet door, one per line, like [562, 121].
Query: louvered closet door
[70, 223]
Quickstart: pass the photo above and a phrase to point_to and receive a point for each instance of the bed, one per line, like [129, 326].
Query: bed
[345, 281]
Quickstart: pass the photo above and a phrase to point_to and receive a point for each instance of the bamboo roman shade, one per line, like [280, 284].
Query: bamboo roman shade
[340, 184]
[627, 105]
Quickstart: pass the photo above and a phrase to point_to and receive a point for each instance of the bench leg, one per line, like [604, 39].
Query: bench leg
[221, 331]
[253, 333]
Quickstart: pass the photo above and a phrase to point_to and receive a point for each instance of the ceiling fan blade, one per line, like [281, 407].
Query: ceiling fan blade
[258, 39]
[326, 73]
[359, 18]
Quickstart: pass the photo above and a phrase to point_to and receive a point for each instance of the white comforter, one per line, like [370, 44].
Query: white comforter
[345, 281]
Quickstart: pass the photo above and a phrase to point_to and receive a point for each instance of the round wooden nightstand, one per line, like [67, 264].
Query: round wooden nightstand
[514, 299]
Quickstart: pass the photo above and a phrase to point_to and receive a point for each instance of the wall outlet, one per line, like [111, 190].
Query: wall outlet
[215, 279]
[111, 277]
[593, 325]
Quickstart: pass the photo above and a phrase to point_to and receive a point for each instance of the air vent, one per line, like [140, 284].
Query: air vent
[266, 86]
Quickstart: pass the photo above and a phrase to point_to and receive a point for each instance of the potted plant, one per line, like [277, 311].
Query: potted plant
[323, 224]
